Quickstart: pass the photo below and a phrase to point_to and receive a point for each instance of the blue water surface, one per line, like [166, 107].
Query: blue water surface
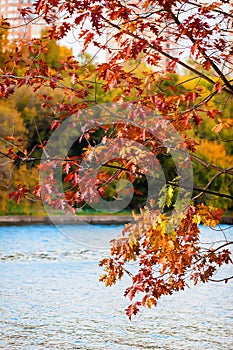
[50, 297]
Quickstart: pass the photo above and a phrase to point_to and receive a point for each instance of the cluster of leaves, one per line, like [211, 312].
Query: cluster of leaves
[169, 257]
[146, 44]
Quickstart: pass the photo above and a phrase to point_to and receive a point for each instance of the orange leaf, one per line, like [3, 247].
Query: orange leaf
[9, 138]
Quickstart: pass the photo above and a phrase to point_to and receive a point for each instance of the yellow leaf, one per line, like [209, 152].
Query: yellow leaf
[217, 128]
[132, 241]
[170, 245]
[196, 219]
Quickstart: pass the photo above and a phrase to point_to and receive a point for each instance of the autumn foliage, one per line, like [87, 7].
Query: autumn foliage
[173, 58]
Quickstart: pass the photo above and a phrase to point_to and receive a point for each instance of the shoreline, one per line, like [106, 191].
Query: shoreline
[8, 220]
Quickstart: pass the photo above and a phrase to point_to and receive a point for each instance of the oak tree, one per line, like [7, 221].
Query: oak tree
[149, 109]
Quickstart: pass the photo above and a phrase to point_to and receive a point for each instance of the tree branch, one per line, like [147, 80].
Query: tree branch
[208, 185]
[222, 195]
[228, 14]
[165, 54]
[226, 279]
[212, 166]
[204, 54]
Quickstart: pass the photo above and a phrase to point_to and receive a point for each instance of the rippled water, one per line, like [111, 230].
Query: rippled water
[50, 298]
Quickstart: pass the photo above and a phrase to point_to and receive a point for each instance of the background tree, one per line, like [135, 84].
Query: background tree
[193, 39]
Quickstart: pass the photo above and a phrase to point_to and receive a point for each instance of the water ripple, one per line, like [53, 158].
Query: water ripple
[76, 255]
[51, 299]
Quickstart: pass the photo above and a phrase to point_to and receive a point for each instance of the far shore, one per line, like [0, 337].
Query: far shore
[65, 219]
[77, 219]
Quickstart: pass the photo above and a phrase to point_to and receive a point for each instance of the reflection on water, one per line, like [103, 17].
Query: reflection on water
[50, 298]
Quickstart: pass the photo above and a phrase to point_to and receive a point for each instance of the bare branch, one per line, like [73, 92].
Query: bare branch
[226, 279]
[212, 166]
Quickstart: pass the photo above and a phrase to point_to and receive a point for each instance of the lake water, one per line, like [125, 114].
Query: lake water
[50, 298]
